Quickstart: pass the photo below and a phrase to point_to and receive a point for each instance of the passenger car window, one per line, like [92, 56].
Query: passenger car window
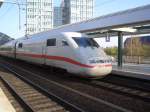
[65, 43]
[51, 42]
[20, 45]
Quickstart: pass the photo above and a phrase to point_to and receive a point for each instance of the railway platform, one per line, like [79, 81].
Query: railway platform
[141, 71]
[5, 105]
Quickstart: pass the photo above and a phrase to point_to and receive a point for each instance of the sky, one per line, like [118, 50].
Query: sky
[9, 13]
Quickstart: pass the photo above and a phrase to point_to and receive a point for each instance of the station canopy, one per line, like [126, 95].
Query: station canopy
[129, 22]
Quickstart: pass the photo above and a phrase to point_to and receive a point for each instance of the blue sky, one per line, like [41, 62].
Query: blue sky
[9, 13]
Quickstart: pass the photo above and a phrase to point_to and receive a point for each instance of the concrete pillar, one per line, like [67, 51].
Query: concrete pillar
[120, 49]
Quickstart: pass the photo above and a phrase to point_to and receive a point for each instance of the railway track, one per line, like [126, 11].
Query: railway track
[131, 82]
[133, 92]
[17, 106]
[103, 105]
[31, 99]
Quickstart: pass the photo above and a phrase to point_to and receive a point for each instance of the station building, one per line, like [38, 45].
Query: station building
[72, 11]
[39, 16]
[57, 16]
[76, 10]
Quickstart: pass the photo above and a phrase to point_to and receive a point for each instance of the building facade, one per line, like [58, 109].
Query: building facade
[39, 16]
[76, 10]
[57, 16]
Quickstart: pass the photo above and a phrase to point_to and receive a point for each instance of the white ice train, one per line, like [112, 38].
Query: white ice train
[75, 52]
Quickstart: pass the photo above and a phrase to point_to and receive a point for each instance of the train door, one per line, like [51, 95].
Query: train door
[51, 52]
[15, 49]
[44, 49]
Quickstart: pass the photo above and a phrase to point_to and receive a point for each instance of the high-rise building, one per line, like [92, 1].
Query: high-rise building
[39, 16]
[57, 16]
[76, 10]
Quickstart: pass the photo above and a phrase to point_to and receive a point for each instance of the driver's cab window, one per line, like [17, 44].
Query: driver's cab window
[64, 43]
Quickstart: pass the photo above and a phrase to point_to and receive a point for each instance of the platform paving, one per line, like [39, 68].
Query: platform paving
[5, 105]
[141, 71]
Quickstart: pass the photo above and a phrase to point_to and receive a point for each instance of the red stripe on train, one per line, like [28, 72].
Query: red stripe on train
[67, 60]
[60, 58]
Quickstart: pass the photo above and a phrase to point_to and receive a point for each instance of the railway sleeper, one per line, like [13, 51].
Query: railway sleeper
[32, 95]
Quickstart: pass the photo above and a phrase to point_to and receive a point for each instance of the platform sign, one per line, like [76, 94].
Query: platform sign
[107, 38]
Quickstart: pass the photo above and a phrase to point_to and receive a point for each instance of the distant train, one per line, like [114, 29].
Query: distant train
[75, 52]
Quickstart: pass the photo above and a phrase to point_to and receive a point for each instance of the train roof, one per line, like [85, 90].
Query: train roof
[42, 36]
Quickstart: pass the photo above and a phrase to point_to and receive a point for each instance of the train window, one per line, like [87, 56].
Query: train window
[85, 42]
[51, 42]
[65, 43]
[20, 45]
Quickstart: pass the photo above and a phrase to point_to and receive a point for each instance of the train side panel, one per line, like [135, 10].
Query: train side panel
[31, 51]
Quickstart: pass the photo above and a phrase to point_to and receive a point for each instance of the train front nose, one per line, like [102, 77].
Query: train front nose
[100, 70]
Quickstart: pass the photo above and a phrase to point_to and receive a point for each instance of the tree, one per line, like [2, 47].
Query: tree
[111, 51]
[134, 47]
[146, 50]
